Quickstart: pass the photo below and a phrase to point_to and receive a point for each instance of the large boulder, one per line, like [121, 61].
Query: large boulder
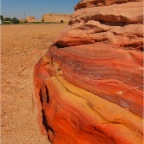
[90, 82]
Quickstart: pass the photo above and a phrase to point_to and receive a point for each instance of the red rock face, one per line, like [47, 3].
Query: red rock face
[90, 82]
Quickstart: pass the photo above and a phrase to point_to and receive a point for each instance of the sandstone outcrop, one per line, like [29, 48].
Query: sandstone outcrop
[90, 82]
[21, 20]
[30, 19]
[55, 17]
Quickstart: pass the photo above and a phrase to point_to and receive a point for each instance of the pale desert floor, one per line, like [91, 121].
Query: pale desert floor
[21, 48]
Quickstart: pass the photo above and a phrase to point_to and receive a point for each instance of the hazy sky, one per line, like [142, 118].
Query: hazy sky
[17, 8]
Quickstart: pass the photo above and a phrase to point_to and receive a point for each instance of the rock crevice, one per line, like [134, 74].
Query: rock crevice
[90, 81]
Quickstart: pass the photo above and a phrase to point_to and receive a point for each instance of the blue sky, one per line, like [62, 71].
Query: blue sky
[16, 8]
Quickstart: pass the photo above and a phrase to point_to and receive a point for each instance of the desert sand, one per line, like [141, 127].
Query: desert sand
[22, 47]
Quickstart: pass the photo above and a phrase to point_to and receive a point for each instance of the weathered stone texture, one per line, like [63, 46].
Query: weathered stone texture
[90, 82]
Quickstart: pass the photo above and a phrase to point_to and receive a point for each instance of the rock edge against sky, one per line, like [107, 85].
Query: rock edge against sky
[90, 82]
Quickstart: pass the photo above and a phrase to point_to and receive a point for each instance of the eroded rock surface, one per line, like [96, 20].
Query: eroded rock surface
[90, 81]
[52, 17]
[30, 19]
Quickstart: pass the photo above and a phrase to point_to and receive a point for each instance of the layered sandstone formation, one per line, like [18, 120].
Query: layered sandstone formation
[55, 17]
[89, 83]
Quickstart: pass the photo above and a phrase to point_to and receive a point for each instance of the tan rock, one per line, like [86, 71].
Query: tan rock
[55, 17]
[30, 19]
[21, 20]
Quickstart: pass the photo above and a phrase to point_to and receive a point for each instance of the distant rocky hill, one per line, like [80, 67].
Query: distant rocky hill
[31, 19]
[21, 20]
[51, 17]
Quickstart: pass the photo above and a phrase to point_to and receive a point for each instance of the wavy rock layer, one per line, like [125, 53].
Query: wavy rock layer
[90, 81]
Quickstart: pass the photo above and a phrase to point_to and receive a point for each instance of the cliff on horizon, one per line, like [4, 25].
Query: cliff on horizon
[53, 17]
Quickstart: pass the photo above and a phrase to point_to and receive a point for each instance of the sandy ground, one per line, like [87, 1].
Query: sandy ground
[22, 47]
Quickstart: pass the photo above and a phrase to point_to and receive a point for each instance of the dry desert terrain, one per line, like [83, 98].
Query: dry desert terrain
[21, 48]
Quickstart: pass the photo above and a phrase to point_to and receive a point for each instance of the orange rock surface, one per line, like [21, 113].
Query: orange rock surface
[90, 82]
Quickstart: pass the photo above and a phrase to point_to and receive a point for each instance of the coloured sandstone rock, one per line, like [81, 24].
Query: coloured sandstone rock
[89, 83]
